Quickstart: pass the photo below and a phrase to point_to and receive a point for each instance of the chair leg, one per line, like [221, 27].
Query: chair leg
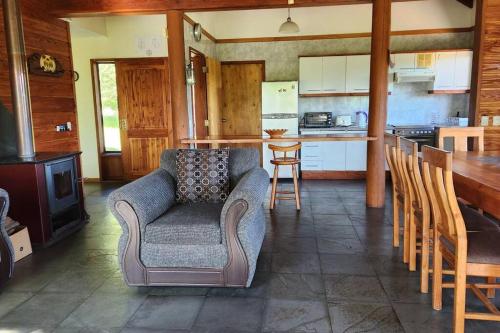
[490, 293]
[424, 265]
[273, 191]
[460, 290]
[412, 255]
[406, 233]
[296, 187]
[395, 217]
[437, 274]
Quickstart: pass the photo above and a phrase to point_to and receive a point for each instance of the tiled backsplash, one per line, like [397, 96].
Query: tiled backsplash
[409, 103]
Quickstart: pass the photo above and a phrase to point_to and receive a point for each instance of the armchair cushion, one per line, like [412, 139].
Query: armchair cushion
[202, 175]
[187, 224]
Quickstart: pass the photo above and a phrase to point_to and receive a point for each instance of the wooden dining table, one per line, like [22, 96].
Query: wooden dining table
[476, 177]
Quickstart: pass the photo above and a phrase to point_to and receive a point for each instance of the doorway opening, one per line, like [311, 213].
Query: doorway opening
[199, 95]
[107, 120]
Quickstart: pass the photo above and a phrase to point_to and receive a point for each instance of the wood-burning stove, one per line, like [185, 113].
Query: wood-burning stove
[46, 194]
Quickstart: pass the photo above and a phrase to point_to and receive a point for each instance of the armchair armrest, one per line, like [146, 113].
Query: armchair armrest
[243, 226]
[6, 249]
[148, 197]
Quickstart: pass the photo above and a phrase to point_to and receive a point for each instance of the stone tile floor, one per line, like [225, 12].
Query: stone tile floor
[329, 268]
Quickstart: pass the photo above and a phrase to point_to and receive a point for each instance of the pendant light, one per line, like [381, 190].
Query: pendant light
[289, 27]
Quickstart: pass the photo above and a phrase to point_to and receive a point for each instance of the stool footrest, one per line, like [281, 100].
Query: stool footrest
[285, 198]
[285, 192]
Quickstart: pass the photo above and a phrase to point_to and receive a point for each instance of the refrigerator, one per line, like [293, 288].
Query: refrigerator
[280, 109]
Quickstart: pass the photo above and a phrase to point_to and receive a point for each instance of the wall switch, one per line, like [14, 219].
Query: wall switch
[485, 120]
[63, 127]
[496, 120]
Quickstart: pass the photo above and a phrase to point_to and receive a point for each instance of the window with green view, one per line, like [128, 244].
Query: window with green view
[109, 107]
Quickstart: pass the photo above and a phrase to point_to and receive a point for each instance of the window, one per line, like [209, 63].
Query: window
[108, 97]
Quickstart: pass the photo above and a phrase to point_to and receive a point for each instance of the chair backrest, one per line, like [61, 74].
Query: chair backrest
[460, 136]
[408, 159]
[286, 150]
[241, 160]
[391, 144]
[438, 180]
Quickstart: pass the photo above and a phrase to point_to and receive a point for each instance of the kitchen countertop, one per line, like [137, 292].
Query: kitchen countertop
[338, 128]
[285, 138]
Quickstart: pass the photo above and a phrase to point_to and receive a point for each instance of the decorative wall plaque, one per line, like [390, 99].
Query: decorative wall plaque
[44, 64]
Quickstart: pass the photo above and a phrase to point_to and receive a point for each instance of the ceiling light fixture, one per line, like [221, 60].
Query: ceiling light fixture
[289, 27]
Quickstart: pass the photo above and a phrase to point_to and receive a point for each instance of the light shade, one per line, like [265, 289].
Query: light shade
[289, 27]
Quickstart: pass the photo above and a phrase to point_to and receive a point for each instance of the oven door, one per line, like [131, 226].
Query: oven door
[423, 140]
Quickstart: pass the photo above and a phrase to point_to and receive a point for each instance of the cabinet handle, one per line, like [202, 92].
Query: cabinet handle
[330, 89]
[313, 90]
[360, 89]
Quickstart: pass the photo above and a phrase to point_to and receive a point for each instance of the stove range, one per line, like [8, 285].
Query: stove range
[422, 134]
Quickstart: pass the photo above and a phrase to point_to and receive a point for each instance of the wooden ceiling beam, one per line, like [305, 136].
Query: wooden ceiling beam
[78, 8]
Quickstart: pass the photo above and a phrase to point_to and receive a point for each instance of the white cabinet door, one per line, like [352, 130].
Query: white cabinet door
[356, 156]
[463, 69]
[334, 74]
[404, 62]
[358, 73]
[311, 151]
[445, 71]
[334, 155]
[311, 75]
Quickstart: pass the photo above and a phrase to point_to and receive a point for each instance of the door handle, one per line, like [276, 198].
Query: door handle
[224, 120]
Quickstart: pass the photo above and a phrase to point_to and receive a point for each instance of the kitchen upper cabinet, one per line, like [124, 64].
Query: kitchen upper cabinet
[403, 62]
[358, 74]
[445, 71]
[334, 74]
[463, 69]
[311, 75]
[453, 70]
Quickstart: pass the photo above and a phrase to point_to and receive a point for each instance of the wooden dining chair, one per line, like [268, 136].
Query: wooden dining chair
[460, 136]
[391, 143]
[419, 217]
[467, 253]
[285, 160]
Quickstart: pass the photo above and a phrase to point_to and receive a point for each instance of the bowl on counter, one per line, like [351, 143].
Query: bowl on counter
[276, 133]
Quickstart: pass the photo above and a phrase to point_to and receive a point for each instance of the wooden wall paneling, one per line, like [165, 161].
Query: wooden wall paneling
[485, 90]
[177, 66]
[380, 56]
[52, 99]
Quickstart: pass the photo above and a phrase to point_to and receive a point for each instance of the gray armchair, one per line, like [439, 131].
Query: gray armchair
[6, 249]
[197, 244]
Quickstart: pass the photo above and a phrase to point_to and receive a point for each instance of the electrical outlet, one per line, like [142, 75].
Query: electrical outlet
[485, 120]
[496, 120]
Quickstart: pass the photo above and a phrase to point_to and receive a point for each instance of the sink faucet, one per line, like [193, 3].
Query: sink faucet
[362, 121]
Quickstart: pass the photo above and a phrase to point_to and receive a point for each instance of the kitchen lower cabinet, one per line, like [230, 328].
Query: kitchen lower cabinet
[334, 155]
[356, 155]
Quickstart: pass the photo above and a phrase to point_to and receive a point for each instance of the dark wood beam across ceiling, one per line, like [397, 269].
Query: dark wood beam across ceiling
[76, 8]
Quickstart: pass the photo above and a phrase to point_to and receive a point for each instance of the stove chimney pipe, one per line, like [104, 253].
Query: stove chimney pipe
[18, 74]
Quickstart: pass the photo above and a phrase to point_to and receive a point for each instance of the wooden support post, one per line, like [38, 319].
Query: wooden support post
[177, 69]
[381, 27]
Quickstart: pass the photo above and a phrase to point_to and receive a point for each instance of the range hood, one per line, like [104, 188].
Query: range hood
[417, 75]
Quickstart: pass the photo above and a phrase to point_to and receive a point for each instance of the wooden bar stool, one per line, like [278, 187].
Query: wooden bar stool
[285, 160]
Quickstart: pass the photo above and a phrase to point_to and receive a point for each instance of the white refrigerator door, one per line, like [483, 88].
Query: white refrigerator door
[280, 97]
[292, 124]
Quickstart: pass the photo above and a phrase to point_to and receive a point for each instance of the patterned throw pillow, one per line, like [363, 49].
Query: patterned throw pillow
[202, 175]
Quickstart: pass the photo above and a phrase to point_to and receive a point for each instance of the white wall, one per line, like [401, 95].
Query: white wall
[120, 41]
[412, 15]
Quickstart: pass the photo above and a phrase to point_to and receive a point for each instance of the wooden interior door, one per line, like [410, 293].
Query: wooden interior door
[199, 96]
[242, 99]
[144, 110]
[214, 96]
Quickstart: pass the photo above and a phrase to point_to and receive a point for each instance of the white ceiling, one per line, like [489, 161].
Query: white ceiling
[413, 15]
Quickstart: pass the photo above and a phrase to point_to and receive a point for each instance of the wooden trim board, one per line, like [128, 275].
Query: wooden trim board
[339, 36]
